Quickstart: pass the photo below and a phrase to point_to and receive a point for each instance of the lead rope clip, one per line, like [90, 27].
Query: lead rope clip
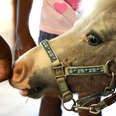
[73, 107]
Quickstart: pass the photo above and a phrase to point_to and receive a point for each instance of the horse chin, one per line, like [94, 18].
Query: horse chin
[33, 92]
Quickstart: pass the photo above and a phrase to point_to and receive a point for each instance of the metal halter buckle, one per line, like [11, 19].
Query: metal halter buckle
[73, 107]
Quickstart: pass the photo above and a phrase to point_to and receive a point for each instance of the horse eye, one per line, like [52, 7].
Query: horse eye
[94, 41]
[93, 38]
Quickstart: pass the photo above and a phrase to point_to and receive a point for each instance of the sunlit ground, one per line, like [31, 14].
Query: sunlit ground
[11, 103]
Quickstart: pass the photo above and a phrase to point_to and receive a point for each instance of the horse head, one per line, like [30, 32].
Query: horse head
[88, 50]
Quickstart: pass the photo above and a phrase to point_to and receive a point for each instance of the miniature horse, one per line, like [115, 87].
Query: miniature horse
[24, 42]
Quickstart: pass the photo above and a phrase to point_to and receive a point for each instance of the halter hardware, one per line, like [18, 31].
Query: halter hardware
[61, 72]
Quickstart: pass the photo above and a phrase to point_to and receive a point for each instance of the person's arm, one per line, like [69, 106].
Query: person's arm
[50, 106]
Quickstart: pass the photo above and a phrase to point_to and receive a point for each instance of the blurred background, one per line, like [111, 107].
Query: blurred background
[11, 103]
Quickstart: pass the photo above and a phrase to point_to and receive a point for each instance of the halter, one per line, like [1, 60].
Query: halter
[62, 72]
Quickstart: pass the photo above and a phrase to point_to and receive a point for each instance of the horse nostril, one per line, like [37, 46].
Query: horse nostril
[18, 73]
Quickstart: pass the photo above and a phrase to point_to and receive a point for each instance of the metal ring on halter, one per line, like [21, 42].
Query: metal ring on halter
[111, 86]
[96, 111]
[72, 107]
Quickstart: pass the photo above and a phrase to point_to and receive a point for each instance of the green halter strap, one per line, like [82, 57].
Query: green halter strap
[58, 69]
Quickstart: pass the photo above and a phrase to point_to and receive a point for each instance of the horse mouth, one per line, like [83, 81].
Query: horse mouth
[33, 92]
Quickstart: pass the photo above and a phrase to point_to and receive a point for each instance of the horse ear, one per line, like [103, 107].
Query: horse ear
[5, 59]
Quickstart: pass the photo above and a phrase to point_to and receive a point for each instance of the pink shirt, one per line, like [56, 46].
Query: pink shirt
[73, 3]
[57, 16]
